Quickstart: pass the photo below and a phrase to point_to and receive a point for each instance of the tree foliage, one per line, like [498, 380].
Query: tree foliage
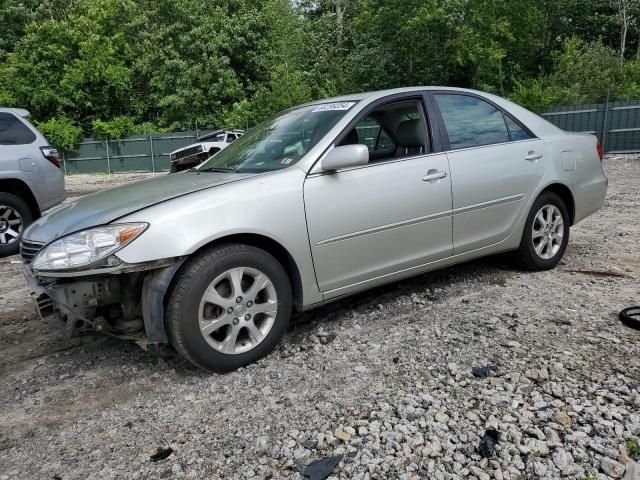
[62, 132]
[115, 67]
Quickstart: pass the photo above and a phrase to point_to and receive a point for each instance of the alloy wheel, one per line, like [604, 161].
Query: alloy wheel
[547, 232]
[10, 225]
[238, 310]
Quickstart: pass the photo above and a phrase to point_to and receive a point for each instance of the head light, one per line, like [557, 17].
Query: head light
[87, 247]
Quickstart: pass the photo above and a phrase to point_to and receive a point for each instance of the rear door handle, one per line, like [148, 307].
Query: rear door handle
[433, 175]
[533, 156]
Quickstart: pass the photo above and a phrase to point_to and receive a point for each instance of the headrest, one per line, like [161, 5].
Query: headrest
[410, 134]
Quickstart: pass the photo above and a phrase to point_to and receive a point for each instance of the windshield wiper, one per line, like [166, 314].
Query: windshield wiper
[218, 169]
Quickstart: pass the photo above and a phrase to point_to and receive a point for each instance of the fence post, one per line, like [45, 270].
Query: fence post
[153, 161]
[605, 122]
[106, 144]
[64, 163]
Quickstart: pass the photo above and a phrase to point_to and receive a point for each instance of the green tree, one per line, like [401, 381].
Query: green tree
[62, 133]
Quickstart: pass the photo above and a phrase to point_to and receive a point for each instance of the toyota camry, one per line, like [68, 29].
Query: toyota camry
[319, 202]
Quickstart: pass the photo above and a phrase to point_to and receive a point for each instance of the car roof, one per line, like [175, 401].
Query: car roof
[20, 112]
[375, 94]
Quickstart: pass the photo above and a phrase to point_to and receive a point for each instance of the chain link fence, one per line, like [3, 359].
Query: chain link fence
[138, 153]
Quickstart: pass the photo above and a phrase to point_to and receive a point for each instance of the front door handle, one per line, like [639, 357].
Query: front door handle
[433, 175]
[533, 156]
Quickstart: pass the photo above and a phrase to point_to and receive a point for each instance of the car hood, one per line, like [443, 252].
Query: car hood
[109, 205]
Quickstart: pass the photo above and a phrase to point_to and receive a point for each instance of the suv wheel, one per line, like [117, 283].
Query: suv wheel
[15, 216]
[229, 307]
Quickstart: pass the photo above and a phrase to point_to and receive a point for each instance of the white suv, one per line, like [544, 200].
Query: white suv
[31, 179]
[188, 157]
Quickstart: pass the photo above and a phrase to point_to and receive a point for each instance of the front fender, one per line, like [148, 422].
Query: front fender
[270, 205]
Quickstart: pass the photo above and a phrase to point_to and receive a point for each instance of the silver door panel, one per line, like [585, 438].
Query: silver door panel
[491, 187]
[370, 221]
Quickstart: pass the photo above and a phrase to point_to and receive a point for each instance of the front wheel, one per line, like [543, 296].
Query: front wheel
[229, 307]
[546, 233]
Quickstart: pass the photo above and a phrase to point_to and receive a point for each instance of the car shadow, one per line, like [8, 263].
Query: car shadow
[431, 286]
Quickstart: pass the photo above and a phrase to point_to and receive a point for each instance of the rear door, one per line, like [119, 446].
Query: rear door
[496, 165]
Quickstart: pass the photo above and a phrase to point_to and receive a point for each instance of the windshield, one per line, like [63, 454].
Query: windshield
[278, 142]
[213, 137]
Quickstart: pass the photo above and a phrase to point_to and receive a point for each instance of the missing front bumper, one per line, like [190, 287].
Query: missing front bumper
[127, 305]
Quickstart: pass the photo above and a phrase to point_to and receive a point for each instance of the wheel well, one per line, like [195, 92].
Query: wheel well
[567, 197]
[278, 251]
[21, 190]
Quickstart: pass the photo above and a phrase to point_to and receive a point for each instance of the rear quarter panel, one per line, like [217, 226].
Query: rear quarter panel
[27, 164]
[576, 164]
[587, 180]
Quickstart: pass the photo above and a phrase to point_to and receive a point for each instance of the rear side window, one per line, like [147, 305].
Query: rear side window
[515, 130]
[471, 122]
[13, 131]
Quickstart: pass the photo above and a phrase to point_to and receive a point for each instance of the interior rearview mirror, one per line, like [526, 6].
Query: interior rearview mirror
[344, 157]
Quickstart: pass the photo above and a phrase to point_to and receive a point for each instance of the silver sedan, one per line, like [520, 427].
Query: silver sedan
[320, 201]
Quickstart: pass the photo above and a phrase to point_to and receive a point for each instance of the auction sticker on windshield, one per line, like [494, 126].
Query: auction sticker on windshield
[326, 107]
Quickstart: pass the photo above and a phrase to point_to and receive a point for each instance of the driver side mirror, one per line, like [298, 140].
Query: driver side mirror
[344, 157]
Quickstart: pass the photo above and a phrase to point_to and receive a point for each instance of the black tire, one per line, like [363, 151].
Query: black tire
[526, 255]
[195, 277]
[22, 209]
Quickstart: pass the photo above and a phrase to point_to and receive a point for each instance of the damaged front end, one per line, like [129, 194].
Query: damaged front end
[125, 301]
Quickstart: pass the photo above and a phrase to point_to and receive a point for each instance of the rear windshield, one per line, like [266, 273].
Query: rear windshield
[13, 131]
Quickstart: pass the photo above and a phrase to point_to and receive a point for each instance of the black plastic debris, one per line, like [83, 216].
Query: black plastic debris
[161, 454]
[631, 317]
[483, 372]
[321, 469]
[487, 447]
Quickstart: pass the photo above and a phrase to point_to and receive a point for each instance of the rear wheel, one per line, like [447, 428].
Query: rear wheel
[546, 233]
[15, 216]
[230, 306]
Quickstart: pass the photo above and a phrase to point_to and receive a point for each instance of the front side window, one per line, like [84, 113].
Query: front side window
[470, 121]
[394, 130]
[369, 132]
[13, 131]
[280, 141]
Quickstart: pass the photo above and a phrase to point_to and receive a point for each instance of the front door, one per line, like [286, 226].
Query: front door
[392, 215]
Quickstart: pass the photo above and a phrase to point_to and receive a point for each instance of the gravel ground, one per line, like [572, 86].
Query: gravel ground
[383, 378]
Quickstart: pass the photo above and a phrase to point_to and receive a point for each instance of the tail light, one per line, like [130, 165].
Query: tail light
[51, 154]
[599, 150]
